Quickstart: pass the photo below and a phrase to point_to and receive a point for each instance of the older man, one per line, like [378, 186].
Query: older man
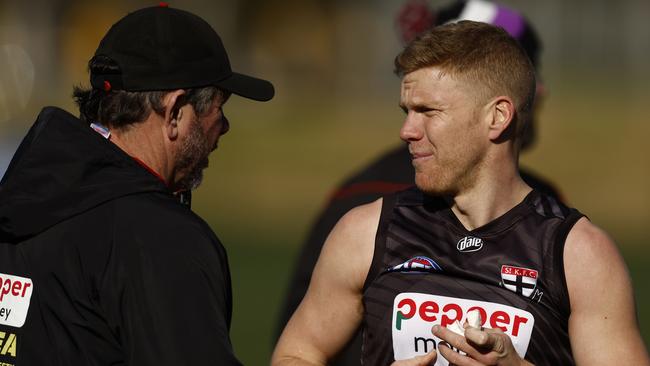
[471, 236]
[101, 263]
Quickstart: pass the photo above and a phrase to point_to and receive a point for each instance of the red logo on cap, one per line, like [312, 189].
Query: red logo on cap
[163, 4]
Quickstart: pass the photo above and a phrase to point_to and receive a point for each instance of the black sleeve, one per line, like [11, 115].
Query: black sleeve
[167, 293]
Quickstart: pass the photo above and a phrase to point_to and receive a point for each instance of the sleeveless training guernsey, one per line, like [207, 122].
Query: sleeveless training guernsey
[428, 269]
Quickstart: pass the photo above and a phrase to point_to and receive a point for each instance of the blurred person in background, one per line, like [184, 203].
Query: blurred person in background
[472, 235]
[393, 170]
[100, 261]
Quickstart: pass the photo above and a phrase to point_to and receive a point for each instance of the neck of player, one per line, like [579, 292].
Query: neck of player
[495, 191]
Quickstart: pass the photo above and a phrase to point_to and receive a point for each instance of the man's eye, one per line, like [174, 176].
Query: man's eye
[425, 110]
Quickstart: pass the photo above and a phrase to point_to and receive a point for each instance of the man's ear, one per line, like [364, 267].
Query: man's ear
[173, 112]
[501, 114]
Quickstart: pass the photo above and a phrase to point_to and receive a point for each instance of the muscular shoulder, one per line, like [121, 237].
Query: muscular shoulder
[588, 246]
[592, 262]
[350, 245]
[359, 223]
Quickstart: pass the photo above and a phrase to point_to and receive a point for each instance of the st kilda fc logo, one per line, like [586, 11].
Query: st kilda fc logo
[520, 280]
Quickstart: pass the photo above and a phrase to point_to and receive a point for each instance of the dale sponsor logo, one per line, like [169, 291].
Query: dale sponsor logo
[15, 294]
[519, 280]
[469, 244]
[416, 264]
[415, 313]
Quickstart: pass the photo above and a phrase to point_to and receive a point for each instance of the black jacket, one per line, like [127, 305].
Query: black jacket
[101, 264]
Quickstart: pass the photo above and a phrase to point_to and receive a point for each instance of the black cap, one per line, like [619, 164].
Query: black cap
[161, 48]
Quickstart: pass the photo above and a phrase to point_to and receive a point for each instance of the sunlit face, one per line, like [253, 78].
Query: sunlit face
[442, 128]
[201, 138]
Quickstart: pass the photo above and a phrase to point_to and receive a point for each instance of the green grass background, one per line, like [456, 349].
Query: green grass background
[274, 169]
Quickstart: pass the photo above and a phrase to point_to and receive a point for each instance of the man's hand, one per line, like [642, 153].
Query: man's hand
[424, 360]
[483, 347]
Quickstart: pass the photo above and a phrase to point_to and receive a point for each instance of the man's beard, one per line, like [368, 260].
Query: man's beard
[193, 157]
[457, 173]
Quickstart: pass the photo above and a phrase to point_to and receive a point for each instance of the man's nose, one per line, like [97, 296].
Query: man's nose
[411, 128]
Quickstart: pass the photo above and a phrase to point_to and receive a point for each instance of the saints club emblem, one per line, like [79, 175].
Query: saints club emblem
[519, 280]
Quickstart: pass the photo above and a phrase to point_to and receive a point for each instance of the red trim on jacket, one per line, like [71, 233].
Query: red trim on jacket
[150, 170]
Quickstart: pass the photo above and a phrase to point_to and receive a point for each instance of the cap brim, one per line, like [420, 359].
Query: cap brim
[248, 87]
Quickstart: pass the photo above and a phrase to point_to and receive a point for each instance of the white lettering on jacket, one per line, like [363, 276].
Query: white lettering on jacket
[15, 294]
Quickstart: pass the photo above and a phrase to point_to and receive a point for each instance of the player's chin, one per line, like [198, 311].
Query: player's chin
[422, 181]
[429, 185]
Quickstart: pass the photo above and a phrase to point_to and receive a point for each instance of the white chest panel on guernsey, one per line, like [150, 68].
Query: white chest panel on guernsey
[414, 314]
